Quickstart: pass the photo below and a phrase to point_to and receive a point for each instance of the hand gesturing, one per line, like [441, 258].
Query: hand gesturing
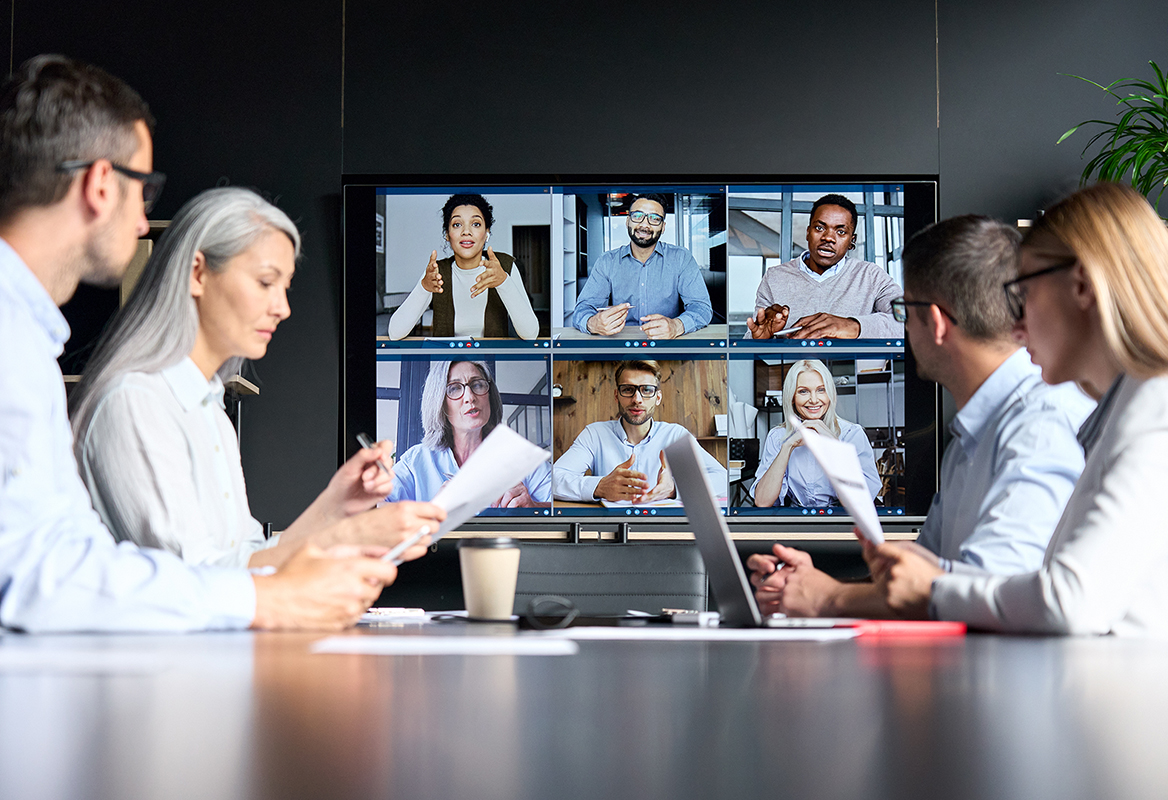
[432, 280]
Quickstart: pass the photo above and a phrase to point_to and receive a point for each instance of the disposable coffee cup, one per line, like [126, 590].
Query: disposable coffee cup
[490, 568]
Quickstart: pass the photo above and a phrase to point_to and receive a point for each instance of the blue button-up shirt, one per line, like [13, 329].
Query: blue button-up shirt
[420, 473]
[1008, 472]
[60, 569]
[603, 446]
[667, 282]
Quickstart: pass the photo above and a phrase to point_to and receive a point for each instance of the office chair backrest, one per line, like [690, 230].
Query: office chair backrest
[604, 579]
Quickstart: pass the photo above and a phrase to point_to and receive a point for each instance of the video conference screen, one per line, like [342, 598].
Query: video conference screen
[604, 320]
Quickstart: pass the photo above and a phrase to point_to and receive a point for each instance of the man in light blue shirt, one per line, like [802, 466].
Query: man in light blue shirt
[76, 161]
[1014, 458]
[625, 455]
[647, 282]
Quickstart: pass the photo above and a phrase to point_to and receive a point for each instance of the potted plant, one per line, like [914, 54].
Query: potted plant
[1136, 143]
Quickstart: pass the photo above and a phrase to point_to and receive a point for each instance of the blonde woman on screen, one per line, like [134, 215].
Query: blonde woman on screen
[153, 444]
[1089, 301]
[789, 474]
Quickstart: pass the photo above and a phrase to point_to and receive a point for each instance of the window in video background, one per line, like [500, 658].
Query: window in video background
[865, 392]
[424, 424]
[595, 221]
[692, 397]
[410, 230]
[769, 227]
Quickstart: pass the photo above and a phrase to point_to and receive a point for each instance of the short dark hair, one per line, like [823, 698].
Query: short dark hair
[961, 263]
[638, 365]
[837, 200]
[656, 197]
[55, 109]
[476, 200]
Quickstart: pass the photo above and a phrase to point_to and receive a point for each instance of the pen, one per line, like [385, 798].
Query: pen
[364, 440]
[404, 545]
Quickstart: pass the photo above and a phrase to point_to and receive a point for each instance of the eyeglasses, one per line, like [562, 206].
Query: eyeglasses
[900, 309]
[639, 216]
[630, 389]
[152, 182]
[1016, 291]
[478, 387]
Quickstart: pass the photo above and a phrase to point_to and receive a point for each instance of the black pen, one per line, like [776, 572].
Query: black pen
[364, 440]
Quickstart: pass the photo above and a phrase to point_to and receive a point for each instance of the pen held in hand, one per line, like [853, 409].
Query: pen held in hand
[366, 442]
[394, 555]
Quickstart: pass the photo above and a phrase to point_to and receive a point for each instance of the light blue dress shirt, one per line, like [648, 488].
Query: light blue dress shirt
[667, 282]
[1007, 473]
[603, 446]
[420, 473]
[60, 569]
[804, 478]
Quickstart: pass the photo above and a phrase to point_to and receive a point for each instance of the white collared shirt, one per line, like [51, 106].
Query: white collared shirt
[60, 570]
[161, 461]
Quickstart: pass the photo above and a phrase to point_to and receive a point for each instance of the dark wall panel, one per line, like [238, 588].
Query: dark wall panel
[1004, 105]
[745, 87]
[247, 95]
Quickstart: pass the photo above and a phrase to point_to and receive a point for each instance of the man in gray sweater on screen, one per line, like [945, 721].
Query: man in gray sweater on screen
[826, 293]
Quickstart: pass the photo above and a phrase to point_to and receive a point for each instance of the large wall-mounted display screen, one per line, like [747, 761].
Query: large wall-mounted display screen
[604, 319]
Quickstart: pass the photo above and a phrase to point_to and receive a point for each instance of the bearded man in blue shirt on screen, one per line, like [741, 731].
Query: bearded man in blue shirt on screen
[625, 456]
[647, 282]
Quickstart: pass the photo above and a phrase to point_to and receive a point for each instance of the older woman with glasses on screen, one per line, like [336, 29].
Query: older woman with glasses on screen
[789, 473]
[1090, 306]
[153, 443]
[461, 405]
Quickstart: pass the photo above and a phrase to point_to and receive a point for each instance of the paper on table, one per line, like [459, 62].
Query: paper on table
[840, 463]
[502, 460]
[685, 633]
[391, 645]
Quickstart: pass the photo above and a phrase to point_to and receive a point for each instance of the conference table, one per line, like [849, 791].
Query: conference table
[259, 715]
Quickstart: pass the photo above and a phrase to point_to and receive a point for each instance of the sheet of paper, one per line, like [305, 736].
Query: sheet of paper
[839, 462]
[502, 460]
[687, 633]
[392, 645]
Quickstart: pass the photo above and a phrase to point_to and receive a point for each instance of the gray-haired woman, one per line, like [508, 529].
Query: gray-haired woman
[153, 443]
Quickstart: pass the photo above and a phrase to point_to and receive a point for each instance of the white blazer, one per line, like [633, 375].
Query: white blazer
[1106, 567]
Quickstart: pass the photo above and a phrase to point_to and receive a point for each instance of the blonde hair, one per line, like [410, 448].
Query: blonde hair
[798, 368]
[1123, 246]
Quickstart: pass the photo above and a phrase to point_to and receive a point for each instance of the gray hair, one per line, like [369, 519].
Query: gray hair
[831, 419]
[55, 109]
[435, 425]
[159, 323]
[961, 263]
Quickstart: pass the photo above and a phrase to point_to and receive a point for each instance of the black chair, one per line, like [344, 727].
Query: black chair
[606, 579]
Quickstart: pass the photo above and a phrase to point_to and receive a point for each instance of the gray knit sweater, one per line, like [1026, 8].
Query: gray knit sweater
[860, 290]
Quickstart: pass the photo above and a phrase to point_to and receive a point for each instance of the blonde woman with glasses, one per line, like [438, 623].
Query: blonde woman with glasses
[1089, 300]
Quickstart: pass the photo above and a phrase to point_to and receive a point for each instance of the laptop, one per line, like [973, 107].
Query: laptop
[727, 577]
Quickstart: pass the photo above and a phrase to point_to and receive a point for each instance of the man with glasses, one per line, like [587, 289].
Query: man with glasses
[826, 293]
[646, 282]
[76, 175]
[1014, 457]
[626, 455]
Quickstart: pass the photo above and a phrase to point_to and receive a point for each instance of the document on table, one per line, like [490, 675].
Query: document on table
[414, 645]
[668, 502]
[839, 462]
[685, 633]
[502, 460]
